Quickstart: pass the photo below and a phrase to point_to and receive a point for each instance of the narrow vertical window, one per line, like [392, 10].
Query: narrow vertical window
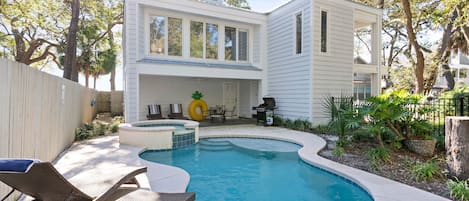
[197, 39]
[299, 33]
[174, 36]
[323, 31]
[211, 44]
[243, 46]
[157, 35]
[230, 43]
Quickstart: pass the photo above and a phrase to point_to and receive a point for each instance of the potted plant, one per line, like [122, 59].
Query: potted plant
[419, 139]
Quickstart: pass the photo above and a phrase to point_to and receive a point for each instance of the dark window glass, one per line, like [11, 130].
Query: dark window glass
[230, 43]
[323, 31]
[299, 36]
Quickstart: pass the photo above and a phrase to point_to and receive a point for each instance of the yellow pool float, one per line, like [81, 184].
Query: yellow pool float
[198, 108]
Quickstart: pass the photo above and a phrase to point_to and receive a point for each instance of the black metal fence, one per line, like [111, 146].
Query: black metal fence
[438, 109]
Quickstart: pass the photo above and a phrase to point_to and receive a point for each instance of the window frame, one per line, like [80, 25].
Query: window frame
[295, 36]
[186, 19]
[328, 31]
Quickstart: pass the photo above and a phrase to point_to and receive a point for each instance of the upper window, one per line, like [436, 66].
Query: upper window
[157, 35]
[174, 36]
[211, 43]
[162, 36]
[197, 39]
[323, 31]
[243, 45]
[298, 33]
[230, 43]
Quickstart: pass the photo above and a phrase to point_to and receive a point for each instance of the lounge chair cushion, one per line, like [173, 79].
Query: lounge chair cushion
[154, 109]
[16, 165]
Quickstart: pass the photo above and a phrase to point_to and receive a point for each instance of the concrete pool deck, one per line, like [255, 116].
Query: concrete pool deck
[106, 152]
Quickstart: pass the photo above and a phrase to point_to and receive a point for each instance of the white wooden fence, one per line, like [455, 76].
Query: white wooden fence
[39, 112]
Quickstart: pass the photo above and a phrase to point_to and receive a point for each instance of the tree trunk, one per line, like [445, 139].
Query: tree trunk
[94, 83]
[70, 67]
[112, 80]
[87, 78]
[457, 146]
[420, 64]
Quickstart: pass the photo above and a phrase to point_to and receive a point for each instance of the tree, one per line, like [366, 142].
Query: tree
[29, 29]
[70, 66]
[239, 4]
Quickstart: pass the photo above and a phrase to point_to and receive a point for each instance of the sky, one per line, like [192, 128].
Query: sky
[265, 5]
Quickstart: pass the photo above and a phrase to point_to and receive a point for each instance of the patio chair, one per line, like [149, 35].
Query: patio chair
[218, 112]
[154, 112]
[42, 181]
[175, 111]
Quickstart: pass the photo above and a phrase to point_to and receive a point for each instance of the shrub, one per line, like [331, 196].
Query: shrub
[278, 121]
[84, 132]
[288, 123]
[298, 125]
[378, 155]
[320, 129]
[459, 189]
[425, 171]
[100, 129]
[338, 152]
[114, 128]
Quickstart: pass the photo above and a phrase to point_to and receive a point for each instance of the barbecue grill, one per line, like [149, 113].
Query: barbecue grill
[265, 111]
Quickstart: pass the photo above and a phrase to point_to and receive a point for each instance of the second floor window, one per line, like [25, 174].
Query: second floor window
[197, 39]
[211, 45]
[157, 35]
[236, 49]
[323, 31]
[164, 35]
[298, 33]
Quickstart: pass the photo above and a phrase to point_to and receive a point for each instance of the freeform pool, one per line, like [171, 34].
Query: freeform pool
[243, 169]
[160, 134]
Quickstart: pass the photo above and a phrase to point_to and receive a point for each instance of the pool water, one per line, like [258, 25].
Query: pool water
[177, 126]
[241, 169]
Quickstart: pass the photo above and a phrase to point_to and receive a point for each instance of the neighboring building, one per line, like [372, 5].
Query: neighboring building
[299, 53]
[459, 66]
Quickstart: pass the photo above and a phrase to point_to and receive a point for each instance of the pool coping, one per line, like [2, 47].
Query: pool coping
[380, 188]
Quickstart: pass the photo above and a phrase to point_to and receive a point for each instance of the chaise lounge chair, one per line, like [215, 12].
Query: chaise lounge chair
[42, 181]
[154, 112]
[175, 111]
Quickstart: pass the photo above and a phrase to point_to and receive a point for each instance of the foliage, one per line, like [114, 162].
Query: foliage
[344, 117]
[426, 171]
[90, 130]
[278, 121]
[338, 152]
[378, 155]
[288, 123]
[238, 3]
[455, 93]
[320, 129]
[459, 189]
[197, 95]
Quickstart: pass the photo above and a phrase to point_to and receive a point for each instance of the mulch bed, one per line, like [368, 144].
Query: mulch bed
[399, 169]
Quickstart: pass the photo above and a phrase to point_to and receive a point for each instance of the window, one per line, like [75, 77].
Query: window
[197, 39]
[362, 86]
[323, 31]
[157, 35]
[230, 43]
[211, 41]
[174, 36]
[299, 34]
[243, 45]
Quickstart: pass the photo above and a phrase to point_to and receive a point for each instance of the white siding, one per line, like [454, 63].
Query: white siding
[332, 72]
[289, 80]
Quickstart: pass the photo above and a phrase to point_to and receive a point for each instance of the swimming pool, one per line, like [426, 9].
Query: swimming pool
[242, 169]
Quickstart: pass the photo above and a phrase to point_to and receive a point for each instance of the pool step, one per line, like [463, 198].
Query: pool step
[209, 145]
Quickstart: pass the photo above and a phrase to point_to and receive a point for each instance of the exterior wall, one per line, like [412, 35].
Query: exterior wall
[289, 79]
[332, 71]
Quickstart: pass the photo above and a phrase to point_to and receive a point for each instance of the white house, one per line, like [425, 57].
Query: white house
[299, 53]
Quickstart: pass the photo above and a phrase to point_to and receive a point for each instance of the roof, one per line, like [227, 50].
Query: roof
[199, 64]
